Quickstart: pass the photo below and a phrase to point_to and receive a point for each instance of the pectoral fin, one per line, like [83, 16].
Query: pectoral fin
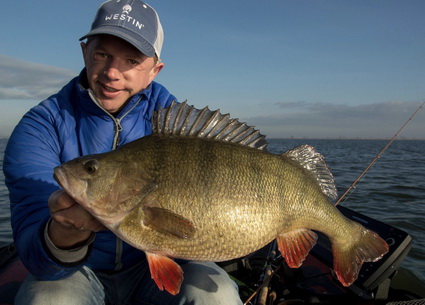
[295, 246]
[168, 222]
[165, 272]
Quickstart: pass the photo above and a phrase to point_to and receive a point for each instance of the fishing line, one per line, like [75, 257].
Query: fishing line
[378, 155]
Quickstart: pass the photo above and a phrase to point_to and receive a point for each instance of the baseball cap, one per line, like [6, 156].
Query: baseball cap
[131, 20]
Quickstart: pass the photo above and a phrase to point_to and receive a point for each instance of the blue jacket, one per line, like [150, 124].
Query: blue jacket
[65, 126]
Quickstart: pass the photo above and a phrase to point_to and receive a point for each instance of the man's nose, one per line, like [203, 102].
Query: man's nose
[113, 69]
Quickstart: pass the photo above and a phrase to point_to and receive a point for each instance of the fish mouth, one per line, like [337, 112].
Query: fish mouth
[60, 177]
[72, 187]
[63, 179]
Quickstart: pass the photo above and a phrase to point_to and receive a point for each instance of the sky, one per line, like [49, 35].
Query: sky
[292, 68]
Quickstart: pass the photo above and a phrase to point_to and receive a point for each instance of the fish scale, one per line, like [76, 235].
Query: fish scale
[200, 202]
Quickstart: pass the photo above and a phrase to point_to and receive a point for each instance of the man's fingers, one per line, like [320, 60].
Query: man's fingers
[76, 217]
[68, 213]
[60, 200]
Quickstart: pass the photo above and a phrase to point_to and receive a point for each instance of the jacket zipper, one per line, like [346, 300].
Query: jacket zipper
[117, 121]
[117, 131]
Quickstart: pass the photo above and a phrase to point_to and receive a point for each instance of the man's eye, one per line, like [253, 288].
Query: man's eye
[100, 55]
[133, 62]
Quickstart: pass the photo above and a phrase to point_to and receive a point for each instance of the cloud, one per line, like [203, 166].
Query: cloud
[326, 120]
[21, 79]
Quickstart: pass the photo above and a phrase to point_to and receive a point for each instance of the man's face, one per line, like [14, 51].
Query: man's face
[116, 70]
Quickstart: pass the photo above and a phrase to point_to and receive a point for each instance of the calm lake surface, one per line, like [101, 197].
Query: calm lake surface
[393, 191]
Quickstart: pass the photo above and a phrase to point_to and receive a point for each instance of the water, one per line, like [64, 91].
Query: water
[393, 191]
[5, 230]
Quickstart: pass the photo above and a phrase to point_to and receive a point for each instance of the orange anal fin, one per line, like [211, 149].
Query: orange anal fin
[166, 273]
[295, 246]
[349, 260]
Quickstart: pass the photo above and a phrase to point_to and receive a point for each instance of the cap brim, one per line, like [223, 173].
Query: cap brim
[133, 39]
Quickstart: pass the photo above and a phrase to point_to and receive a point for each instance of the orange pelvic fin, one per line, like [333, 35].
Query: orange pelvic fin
[295, 246]
[165, 272]
[349, 258]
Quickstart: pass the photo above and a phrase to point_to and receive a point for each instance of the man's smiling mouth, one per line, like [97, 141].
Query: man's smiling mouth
[109, 89]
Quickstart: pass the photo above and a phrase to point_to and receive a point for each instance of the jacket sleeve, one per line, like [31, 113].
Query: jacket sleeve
[32, 152]
[161, 97]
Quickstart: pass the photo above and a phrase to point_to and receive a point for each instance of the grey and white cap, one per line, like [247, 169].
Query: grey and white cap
[131, 20]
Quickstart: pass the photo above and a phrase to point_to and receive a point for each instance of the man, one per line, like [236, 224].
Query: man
[72, 259]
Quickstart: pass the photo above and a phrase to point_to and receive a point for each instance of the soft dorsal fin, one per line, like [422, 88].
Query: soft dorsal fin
[310, 159]
[184, 120]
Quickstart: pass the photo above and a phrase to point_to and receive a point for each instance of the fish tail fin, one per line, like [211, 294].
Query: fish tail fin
[349, 257]
[295, 246]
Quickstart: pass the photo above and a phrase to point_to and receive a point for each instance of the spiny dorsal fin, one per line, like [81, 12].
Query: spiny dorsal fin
[184, 120]
[310, 159]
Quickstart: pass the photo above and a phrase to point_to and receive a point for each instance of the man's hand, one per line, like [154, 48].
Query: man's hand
[71, 224]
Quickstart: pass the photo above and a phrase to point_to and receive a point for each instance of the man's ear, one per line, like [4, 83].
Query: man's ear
[83, 47]
[155, 70]
[159, 67]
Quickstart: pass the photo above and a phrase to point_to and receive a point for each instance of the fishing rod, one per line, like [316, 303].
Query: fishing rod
[265, 283]
[263, 292]
[379, 155]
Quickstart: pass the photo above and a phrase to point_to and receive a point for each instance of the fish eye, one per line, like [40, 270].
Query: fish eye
[91, 166]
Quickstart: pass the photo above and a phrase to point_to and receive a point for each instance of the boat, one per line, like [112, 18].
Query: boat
[12, 274]
[265, 279]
